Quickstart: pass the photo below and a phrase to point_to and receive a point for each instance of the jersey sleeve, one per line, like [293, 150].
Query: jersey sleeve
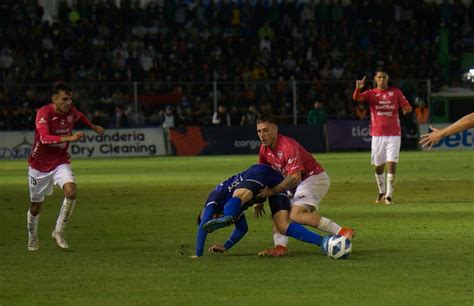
[42, 126]
[80, 116]
[201, 234]
[402, 100]
[240, 230]
[361, 96]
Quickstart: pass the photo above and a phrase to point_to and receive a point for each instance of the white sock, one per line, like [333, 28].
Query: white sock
[32, 223]
[328, 226]
[64, 214]
[280, 239]
[390, 184]
[380, 179]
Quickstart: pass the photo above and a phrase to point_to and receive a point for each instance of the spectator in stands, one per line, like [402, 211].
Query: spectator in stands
[317, 115]
[422, 112]
[361, 111]
[250, 117]
[221, 117]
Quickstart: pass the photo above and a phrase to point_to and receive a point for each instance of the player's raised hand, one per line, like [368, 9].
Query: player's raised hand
[258, 210]
[432, 138]
[216, 248]
[99, 130]
[361, 83]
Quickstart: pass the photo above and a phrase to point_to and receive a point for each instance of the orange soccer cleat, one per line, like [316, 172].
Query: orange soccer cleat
[347, 232]
[277, 251]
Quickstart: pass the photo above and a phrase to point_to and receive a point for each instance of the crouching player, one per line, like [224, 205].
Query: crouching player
[235, 195]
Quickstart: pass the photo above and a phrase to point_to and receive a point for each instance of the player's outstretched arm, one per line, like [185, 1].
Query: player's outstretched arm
[356, 96]
[96, 128]
[432, 138]
[291, 181]
[74, 137]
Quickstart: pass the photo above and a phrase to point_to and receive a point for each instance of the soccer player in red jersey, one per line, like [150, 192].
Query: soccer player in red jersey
[384, 103]
[49, 162]
[305, 179]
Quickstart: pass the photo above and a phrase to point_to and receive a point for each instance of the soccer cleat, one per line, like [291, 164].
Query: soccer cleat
[380, 198]
[277, 251]
[349, 233]
[218, 223]
[59, 237]
[388, 200]
[33, 244]
[324, 244]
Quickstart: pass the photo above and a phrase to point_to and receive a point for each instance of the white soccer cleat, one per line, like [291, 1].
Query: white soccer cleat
[59, 237]
[33, 244]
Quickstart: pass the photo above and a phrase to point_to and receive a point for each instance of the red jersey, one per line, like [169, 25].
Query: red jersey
[384, 105]
[288, 157]
[48, 151]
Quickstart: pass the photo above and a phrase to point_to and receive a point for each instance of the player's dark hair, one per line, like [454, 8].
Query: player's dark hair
[266, 118]
[61, 87]
[381, 69]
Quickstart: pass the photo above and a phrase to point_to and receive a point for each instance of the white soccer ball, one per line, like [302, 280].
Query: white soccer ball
[339, 247]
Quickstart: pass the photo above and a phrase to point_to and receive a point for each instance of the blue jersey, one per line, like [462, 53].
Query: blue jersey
[254, 178]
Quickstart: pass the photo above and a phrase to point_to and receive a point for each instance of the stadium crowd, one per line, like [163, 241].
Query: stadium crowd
[253, 48]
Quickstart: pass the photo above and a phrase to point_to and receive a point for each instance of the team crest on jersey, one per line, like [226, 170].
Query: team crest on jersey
[280, 154]
[42, 121]
[69, 118]
[390, 93]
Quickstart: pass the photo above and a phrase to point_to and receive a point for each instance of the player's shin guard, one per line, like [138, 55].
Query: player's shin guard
[32, 226]
[32, 223]
[65, 214]
[299, 232]
[279, 239]
[390, 184]
[232, 207]
[380, 179]
[328, 226]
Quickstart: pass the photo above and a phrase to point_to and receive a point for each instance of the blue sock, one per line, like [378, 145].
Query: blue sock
[299, 232]
[232, 207]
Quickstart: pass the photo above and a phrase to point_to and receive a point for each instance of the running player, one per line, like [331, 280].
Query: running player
[49, 162]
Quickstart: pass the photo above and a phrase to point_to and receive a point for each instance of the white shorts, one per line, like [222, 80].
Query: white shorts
[385, 149]
[41, 183]
[311, 191]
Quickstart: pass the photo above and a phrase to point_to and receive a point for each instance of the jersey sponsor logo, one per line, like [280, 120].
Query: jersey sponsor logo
[384, 101]
[386, 114]
[42, 121]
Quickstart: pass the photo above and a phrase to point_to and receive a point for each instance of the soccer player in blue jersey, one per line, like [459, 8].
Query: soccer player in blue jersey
[233, 196]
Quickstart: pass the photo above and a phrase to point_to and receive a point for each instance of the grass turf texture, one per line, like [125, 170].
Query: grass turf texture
[133, 230]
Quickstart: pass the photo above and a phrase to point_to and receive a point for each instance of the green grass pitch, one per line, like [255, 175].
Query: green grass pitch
[133, 230]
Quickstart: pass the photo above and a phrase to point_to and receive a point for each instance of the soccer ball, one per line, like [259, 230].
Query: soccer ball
[338, 247]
